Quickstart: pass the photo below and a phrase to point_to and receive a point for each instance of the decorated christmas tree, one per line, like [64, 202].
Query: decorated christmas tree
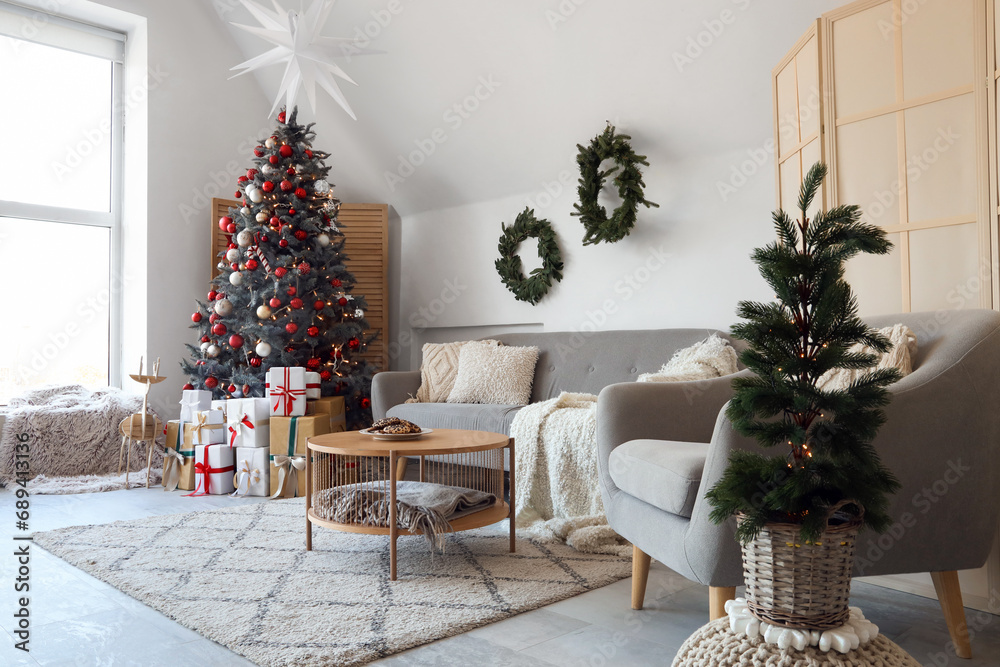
[824, 436]
[284, 296]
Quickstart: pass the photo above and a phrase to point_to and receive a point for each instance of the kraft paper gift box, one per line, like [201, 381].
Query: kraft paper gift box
[252, 471]
[207, 428]
[332, 406]
[288, 449]
[286, 391]
[313, 387]
[248, 422]
[213, 470]
[178, 462]
[219, 405]
[192, 401]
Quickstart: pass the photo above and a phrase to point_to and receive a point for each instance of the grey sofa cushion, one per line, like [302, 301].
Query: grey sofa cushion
[663, 473]
[470, 416]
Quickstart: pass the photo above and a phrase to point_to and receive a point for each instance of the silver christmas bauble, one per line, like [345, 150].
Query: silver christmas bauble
[245, 210]
[263, 312]
[359, 313]
[244, 239]
[224, 307]
[321, 187]
[263, 349]
[323, 240]
[212, 352]
[232, 255]
[235, 278]
[204, 347]
[255, 195]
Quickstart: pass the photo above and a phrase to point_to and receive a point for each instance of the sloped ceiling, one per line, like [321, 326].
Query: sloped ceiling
[686, 78]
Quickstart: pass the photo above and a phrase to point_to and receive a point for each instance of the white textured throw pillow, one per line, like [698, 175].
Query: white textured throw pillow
[438, 370]
[900, 356]
[494, 374]
[710, 358]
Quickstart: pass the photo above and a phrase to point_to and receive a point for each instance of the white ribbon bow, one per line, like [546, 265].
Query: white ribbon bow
[288, 475]
[247, 476]
[172, 462]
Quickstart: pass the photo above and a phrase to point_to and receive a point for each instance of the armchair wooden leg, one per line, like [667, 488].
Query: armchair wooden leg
[717, 598]
[640, 574]
[950, 596]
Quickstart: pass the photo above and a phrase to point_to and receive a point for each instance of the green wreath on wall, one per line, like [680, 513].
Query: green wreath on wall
[628, 179]
[535, 286]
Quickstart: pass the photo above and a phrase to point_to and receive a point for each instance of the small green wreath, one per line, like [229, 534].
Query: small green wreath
[628, 181]
[533, 288]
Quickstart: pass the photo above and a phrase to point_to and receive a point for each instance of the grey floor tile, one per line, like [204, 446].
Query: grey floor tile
[595, 645]
[528, 629]
[14, 656]
[206, 652]
[461, 651]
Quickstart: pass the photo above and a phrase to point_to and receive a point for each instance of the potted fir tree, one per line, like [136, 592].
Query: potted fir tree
[798, 512]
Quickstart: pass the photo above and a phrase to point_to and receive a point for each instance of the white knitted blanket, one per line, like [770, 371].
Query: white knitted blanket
[557, 495]
[710, 358]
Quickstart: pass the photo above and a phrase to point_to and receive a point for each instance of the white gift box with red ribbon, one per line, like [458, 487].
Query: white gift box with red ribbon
[252, 472]
[192, 401]
[213, 470]
[313, 387]
[286, 391]
[248, 422]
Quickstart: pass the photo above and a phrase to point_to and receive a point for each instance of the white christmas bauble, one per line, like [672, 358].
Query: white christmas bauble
[221, 265]
[270, 142]
[323, 240]
[263, 349]
[244, 238]
[256, 196]
[237, 394]
[245, 211]
[263, 312]
[224, 307]
[232, 255]
[235, 278]
[212, 352]
[321, 187]
[266, 169]
[359, 313]
[204, 347]
[261, 216]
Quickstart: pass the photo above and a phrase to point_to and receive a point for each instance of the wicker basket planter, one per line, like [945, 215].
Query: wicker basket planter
[802, 585]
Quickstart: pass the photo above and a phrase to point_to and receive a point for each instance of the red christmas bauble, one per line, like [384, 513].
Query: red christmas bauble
[213, 317]
[313, 331]
[354, 343]
[273, 159]
[301, 234]
[219, 296]
[289, 349]
[366, 403]
[291, 327]
[234, 266]
[246, 389]
[280, 271]
[204, 339]
[251, 264]
[292, 290]
[336, 282]
[237, 194]
[231, 388]
[236, 341]
[342, 301]
[291, 211]
[274, 221]
[304, 268]
[281, 117]
[219, 329]
[314, 362]
[232, 246]
[309, 153]
[196, 317]
[231, 228]
[264, 239]
[187, 386]
[295, 303]
[291, 171]
[241, 179]
[255, 361]
[325, 376]
[211, 382]
[286, 185]
[251, 173]
[275, 302]
[318, 304]
[285, 150]
[300, 193]
[200, 362]
[268, 186]
[283, 243]
[224, 222]
[259, 151]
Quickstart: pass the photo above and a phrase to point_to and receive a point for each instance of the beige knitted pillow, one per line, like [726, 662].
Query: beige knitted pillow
[438, 369]
[900, 356]
[494, 374]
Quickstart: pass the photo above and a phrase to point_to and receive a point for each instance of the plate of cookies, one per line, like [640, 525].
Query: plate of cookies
[394, 428]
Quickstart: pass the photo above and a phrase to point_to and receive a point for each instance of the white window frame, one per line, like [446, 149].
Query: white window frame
[32, 25]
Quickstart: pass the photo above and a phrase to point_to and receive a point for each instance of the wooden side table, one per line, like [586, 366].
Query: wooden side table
[469, 459]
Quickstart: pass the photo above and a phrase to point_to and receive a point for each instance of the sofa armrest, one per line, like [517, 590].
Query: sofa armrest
[390, 388]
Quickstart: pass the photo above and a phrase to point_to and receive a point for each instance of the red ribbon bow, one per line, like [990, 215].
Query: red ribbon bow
[206, 471]
[233, 432]
[284, 391]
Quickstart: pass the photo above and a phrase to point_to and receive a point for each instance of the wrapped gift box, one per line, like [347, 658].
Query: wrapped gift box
[332, 406]
[192, 401]
[313, 387]
[184, 462]
[208, 427]
[219, 405]
[248, 422]
[287, 453]
[286, 391]
[213, 470]
[252, 472]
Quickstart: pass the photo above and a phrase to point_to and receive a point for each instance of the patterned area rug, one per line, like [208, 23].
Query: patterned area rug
[242, 577]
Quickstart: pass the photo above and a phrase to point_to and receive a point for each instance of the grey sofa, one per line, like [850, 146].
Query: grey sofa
[663, 445]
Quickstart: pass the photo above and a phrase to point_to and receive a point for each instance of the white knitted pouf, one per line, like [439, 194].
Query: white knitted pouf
[715, 645]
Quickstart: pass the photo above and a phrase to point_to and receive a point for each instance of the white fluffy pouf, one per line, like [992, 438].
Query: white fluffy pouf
[715, 645]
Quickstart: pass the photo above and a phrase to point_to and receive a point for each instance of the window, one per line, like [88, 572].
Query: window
[60, 201]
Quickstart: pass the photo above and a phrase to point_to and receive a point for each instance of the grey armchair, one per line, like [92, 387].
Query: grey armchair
[662, 446]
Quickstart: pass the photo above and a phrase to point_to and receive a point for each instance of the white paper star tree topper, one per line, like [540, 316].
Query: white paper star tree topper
[307, 54]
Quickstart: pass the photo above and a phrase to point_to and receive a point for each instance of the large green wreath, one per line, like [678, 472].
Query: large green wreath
[533, 288]
[628, 180]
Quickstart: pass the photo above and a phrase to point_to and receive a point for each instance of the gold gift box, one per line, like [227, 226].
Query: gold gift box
[288, 438]
[186, 482]
[332, 406]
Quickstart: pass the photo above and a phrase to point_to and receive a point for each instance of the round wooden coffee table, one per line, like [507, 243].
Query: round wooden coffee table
[468, 459]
